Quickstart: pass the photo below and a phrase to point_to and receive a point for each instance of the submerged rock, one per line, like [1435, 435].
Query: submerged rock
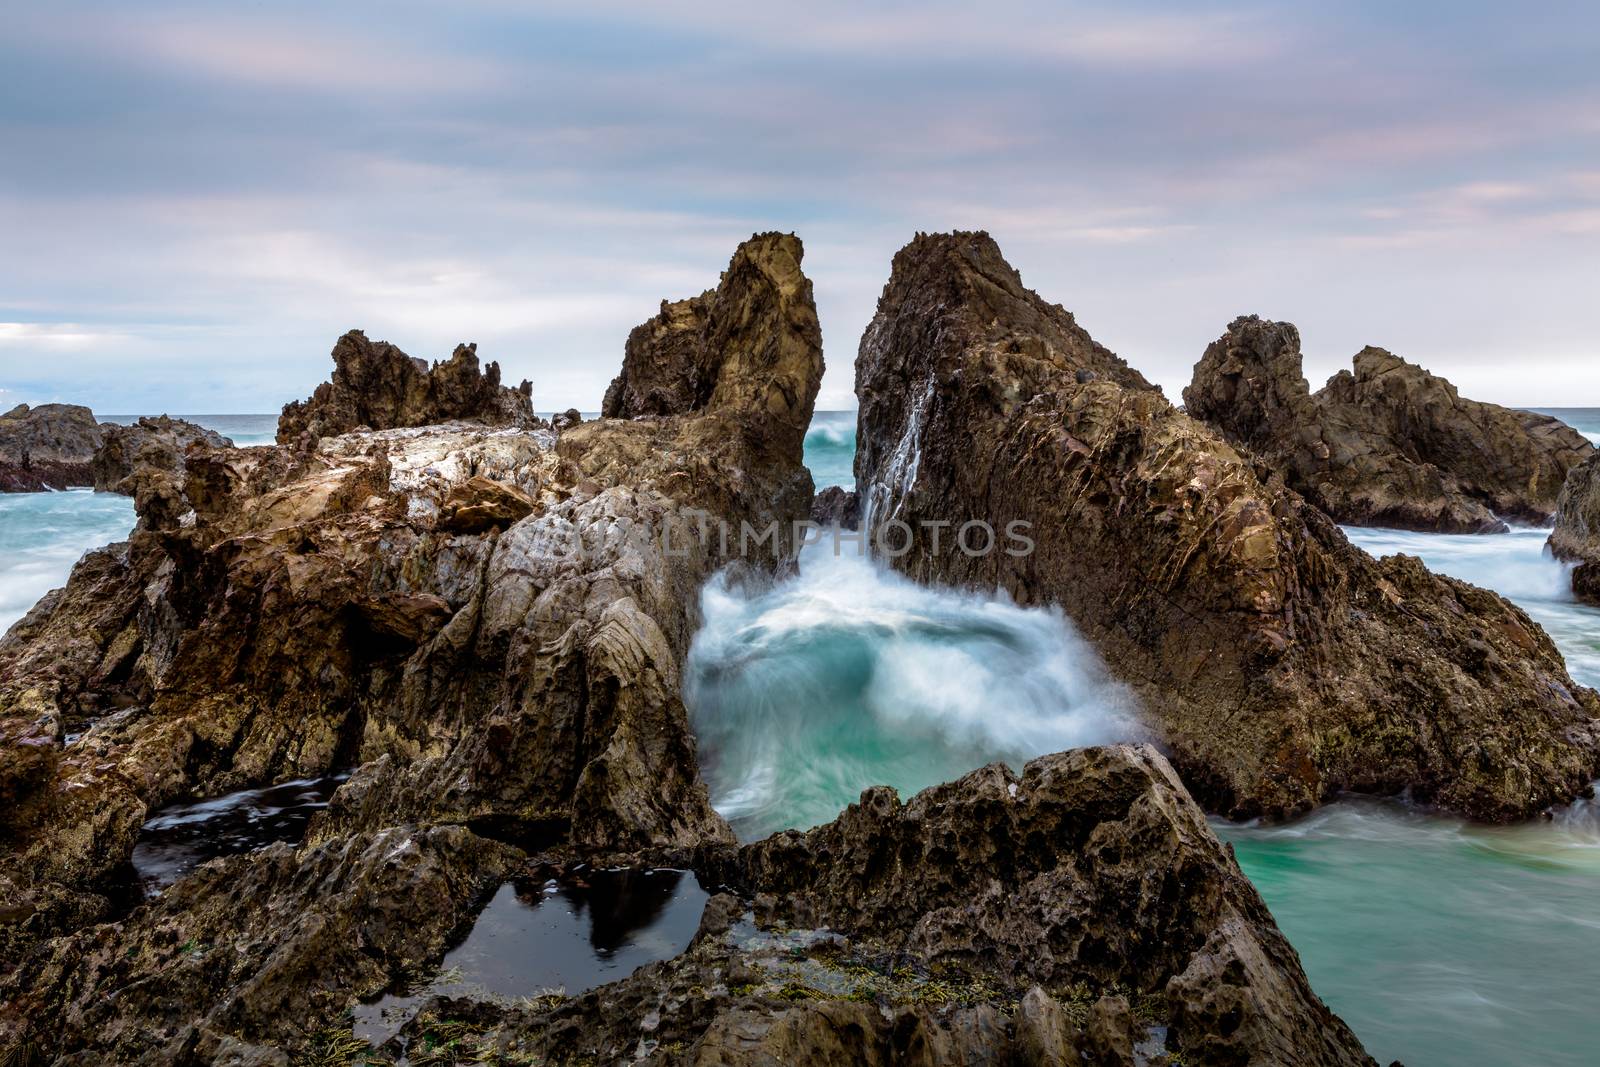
[1387, 445]
[156, 443]
[1576, 538]
[50, 446]
[484, 619]
[1278, 664]
[375, 386]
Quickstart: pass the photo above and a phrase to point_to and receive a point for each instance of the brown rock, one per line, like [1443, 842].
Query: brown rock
[370, 598]
[934, 932]
[1576, 537]
[751, 344]
[376, 386]
[836, 506]
[1390, 444]
[1280, 664]
[159, 442]
[480, 504]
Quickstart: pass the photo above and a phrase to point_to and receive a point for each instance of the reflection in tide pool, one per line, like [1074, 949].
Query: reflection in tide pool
[1439, 942]
[561, 934]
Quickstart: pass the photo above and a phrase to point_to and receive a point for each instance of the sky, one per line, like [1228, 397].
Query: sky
[197, 199]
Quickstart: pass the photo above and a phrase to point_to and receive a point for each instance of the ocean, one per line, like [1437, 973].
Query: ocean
[1439, 942]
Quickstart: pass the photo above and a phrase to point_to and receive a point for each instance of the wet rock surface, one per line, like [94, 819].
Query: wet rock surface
[376, 386]
[50, 446]
[1576, 537]
[1387, 444]
[835, 506]
[1278, 664]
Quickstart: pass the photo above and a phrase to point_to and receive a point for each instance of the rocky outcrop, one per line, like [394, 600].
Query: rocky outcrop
[1074, 913]
[484, 621]
[375, 386]
[1278, 664]
[1576, 538]
[744, 344]
[1387, 445]
[50, 446]
[158, 443]
[836, 506]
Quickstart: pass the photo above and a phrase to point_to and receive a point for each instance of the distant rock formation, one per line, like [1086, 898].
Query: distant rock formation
[376, 386]
[158, 443]
[1387, 445]
[1576, 538]
[50, 446]
[1278, 663]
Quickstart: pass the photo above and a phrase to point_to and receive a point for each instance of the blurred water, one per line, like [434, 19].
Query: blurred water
[43, 534]
[850, 676]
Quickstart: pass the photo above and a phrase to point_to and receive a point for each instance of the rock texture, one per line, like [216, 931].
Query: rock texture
[1387, 445]
[1576, 537]
[482, 619]
[717, 350]
[1278, 663]
[375, 386]
[156, 443]
[51, 446]
[1081, 912]
[836, 506]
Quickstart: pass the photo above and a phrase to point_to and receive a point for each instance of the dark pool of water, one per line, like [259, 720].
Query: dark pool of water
[569, 933]
[182, 835]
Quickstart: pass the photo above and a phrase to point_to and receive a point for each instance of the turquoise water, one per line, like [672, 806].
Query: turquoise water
[851, 676]
[43, 534]
[831, 448]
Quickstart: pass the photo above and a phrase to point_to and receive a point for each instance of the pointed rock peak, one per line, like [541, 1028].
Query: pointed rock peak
[961, 284]
[751, 347]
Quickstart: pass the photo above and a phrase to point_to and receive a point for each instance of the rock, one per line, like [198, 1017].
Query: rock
[480, 504]
[251, 947]
[1390, 444]
[482, 623]
[154, 442]
[1045, 918]
[566, 420]
[750, 344]
[376, 386]
[1277, 663]
[1576, 538]
[50, 446]
[835, 506]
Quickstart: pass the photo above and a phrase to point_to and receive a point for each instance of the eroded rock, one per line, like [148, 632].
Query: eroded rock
[1069, 914]
[1278, 663]
[376, 386]
[1386, 445]
[159, 443]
